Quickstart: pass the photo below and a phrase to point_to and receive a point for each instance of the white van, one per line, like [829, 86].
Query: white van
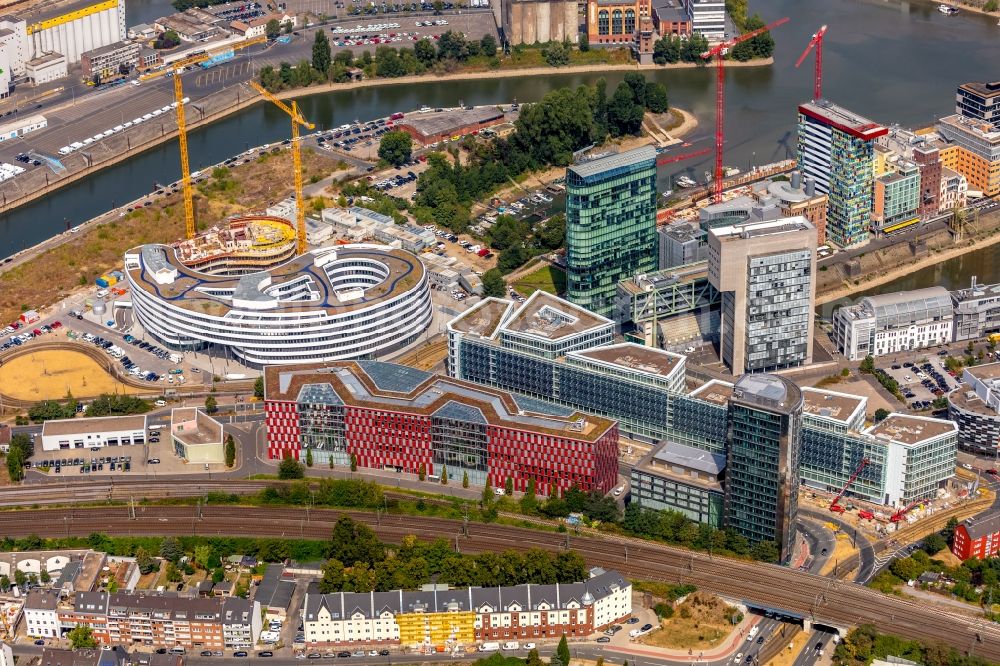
[490, 646]
[65, 150]
[511, 645]
[635, 633]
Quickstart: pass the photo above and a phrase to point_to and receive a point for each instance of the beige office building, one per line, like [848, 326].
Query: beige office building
[766, 274]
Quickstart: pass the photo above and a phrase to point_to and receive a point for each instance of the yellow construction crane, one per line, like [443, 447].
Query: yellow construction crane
[185, 165]
[297, 119]
[201, 57]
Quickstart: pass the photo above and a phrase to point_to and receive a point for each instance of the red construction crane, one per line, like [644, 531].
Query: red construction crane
[664, 158]
[899, 515]
[817, 41]
[719, 53]
[834, 506]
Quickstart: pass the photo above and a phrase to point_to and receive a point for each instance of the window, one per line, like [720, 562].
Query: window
[616, 22]
[602, 22]
[629, 21]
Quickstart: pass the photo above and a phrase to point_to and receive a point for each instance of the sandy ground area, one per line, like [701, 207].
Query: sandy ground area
[51, 374]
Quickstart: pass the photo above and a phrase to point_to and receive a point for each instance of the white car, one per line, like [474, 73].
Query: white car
[529, 646]
[160, 403]
[499, 492]
[689, 350]
[619, 490]
[738, 658]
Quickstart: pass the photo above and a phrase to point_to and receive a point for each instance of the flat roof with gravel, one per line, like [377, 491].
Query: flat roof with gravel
[85, 426]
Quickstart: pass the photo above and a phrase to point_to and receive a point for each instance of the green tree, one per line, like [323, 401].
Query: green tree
[355, 542]
[765, 551]
[258, 388]
[44, 576]
[508, 486]
[562, 650]
[494, 284]
[4, 583]
[990, 6]
[202, 554]
[452, 46]
[867, 365]
[556, 54]
[354, 462]
[656, 98]
[82, 638]
[171, 550]
[425, 52]
[230, 451]
[667, 50]
[624, 113]
[584, 44]
[880, 414]
[396, 147]
[321, 52]
[934, 543]
[286, 27]
[309, 458]
[20, 578]
[147, 563]
[290, 468]
[465, 479]
[422, 472]
[488, 45]
[529, 502]
[211, 404]
[949, 529]
[272, 29]
[388, 63]
[333, 576]
[172, 573]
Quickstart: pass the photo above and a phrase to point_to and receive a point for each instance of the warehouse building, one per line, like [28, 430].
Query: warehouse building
[438, 615]
[893, 323]
[111, 61]
[388, 416]
[450, 124]
[64, 434]
[538, 21]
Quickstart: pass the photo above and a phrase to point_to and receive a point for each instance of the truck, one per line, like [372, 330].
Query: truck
[994, 338]
[752, 633]
[175, 358]
[489, 646]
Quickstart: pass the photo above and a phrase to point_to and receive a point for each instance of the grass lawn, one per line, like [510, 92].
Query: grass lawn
[547, 278]
[700, 623]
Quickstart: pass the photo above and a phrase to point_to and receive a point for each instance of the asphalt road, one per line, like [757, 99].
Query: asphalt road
[866, 552]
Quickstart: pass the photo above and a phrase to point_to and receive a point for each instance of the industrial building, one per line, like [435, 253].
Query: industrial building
[387, 416]
[538, 21]
[439, 615]
[766, 274]
[972, 148]
[610, 225]
[351, 301]
[682, 478]
[72, 28]
[979, 101]
[553, 350]
[615, 22]
[18, 127]
[977, 537]
[836, 148]
[977, 311]
[62, 434]
[893, 323]
[197, 437]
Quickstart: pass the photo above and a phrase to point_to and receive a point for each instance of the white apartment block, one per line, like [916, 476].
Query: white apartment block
[708, 17]
[893, 323]
[41, 617]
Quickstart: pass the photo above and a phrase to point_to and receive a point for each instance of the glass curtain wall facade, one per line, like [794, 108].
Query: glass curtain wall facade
[778, 310]
[849, 212]
[762, 467]
[321, 424]
[610, 225]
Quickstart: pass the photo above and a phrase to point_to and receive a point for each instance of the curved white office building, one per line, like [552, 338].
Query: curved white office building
[351, 301]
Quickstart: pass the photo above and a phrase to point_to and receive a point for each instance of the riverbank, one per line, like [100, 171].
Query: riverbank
[990, 238]
[964, 7]
[226, 103]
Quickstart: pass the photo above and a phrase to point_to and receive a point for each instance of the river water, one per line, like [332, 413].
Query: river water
[895, 61]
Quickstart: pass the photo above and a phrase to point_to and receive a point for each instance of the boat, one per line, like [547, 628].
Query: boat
[947, 9]
[685, 182]
[729, 172]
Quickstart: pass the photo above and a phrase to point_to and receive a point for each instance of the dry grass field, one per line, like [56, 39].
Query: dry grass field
[51, 374]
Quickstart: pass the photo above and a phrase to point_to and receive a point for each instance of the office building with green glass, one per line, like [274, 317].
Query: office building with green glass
[762, 465]
[610, 225]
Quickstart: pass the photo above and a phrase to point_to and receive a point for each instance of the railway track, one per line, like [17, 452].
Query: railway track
[825, 600]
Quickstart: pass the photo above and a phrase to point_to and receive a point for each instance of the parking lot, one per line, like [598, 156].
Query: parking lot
[923, 381]
[154, 457]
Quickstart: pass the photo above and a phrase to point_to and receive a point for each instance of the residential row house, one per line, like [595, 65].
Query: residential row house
[166, 620]
[438, 616]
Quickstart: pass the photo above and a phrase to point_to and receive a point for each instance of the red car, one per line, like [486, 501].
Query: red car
[37, 332]
[56, 324]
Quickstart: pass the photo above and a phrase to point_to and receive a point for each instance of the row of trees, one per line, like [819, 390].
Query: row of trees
[106, 404]
[864, 644]
[671, 49]
[452, 49]
[373, 566]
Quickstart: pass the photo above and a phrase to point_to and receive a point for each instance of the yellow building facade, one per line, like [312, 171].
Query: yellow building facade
[436, 628]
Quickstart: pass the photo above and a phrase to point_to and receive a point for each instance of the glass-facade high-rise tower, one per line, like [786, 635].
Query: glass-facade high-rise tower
[610, 225]
[762, 466]
[836, 148]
